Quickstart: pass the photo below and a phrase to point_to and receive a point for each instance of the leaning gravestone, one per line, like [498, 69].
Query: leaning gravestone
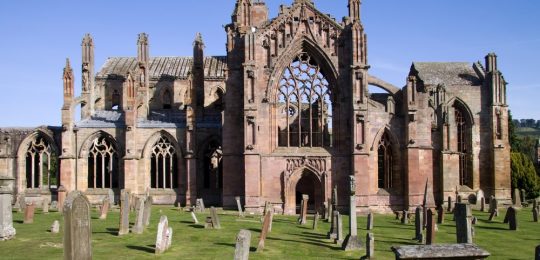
[463, 223]
[77, 227]
[271, 220]
[243, 240]
[216, 224]
[29, 213]
[194, 217]
[162, 235]
[55, 227]
[239, 206]
[138, 228]
[7, 231]
[352, 241]
[124, 213]
[104, 209]
[147, 211]
[264, 231]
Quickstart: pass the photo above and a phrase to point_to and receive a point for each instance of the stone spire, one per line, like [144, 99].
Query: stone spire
[143, 54]
[241, 16]
[68, 81]
[198, 51]
[354, 10]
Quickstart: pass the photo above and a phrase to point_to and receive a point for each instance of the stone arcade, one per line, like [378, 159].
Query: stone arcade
[285, 112]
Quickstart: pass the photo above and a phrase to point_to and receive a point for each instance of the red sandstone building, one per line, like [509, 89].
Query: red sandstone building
[285, 112]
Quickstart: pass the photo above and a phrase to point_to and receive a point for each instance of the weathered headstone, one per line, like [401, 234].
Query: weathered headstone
[482, 204]
[124, 213]
[62, 193]
[493, 208]
[535, 214]
[330, 210]
[428, 202]
[511, 218]
[315, 220]
[405, 217]
[430, 229]
[339, 229]
[45, 206]
[517, 199]
[479, 196]
[370, 245]
[147, 211]
[194, 217]
[463, 223]
[440, 251]
[523, 195]
[325, 210]
[303, 212]
[77, 227]
[54, 205]
[169, 237]
[271, 211]
[369, 221]
[29, 213]
[7, 231]
[440, 215]
[449, 207]
[199, 205]
[216, 224]
[104, 209]
[418, 224]
[264, 231]
[352, 241]
[239, 206]
[333, 225]
[55, 227]
[208, 223]
[243, 240]
[110, 197]
[138, 228]
[162, 236]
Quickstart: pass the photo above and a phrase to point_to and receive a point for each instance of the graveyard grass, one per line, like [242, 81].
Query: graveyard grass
[288, 240]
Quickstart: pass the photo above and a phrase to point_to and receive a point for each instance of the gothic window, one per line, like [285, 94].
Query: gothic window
[115, 100]
[167, 99]
[163, 165]
[304, 106]
[102, 164]
[385, 162]
[463, 144]
[213, 169]
[41, 170]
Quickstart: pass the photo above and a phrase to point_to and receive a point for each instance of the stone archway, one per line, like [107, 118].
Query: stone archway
[304, 181]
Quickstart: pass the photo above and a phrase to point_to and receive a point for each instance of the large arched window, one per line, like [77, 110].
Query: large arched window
[102, 164]
[41, 165]
[304, 106]
[463, 146]
[163, 165]
[385, 162]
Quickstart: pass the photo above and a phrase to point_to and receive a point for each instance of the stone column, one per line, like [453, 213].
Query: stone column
[6, 216]
[352, 241]
[303, 213]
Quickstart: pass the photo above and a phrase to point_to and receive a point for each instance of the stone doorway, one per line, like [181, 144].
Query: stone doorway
[311, 185]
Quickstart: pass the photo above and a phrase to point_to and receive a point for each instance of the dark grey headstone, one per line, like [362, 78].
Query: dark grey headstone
[369, 221]
[243, 240]
[463, 223]
[418, 224]
[440, 215]
[370, 245]
[430, 228]
[511, 218]
[77, 227]
[535, 214]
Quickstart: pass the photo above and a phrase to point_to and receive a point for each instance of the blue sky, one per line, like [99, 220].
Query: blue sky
[37, 36]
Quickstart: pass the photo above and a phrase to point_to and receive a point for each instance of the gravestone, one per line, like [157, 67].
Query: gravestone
[535, 203]
[29, 213]
[45, 206]
[535, 214]
[369, 221]
[216, 224]
[333, 225]
[517, 199]
[482, 204]
[163, 236]
[62, 193]
[370, 245]
[243, 240]
[239, 206]
[405, 217]
[208, 223]
[330, 210]
[303, 213]
[473, 223]
[493, 208]
[449, 209]
[110, 197]
[479, 196]
[194, 217]
[138, 228]
[325, 210]
[339, 229]
[315, 220]
[55, 227]
[418, 224]
[77, 227]
[443, 251]
[428, 202]
[271, 211]
[124, 213]
[440, 215]
[199, 205]
[523, 195]
[511, 218]
[147, 210]
[264, 231]
[537, 253]
[463, 223]
[54, 205]
[352, 241]
[7, 231]
[104, 209]
[430, 229]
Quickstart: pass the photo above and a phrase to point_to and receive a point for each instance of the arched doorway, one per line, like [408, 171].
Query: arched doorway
[310, 185]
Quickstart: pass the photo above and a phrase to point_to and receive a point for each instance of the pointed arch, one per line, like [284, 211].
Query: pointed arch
[89, 141]
[147, 150]
[164, 161]
[387, 146]
[37, 157]
[291, 181]
[457, 102]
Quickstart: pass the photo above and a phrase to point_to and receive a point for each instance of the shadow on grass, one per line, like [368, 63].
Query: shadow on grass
[307, 241]
[313, 235]
[148, 249]
[18, 221]
[186, 222]
[258, 230]
[196, 226]
[494, 228]
[225, 244]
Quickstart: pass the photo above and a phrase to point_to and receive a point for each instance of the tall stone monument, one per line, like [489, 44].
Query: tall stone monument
[352, 241]
[77, 227]
[6, 216]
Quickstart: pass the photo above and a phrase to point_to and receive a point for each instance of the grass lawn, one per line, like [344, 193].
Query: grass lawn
[287, 240]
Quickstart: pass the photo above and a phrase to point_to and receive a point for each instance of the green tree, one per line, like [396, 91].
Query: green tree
[524, 175]
[515, 142]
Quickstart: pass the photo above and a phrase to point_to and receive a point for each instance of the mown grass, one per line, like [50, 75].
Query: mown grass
[287, 240]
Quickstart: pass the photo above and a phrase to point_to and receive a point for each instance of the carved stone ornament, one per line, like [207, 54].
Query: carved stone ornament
[359, 118]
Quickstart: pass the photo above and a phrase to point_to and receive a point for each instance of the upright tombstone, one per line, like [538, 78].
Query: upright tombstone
[199, 205]
[482, 204]
[110, 197]
[315, 220]
[339, 229]
[29, 213]
[463, 223]
[523, 195]
[303, 213]
[243, 240]
[7, 231]
[138, 228]
[440, 215]
[216, 224]
[511, 218]
[370, 245]
[324, 210]
[329, 210]
[535, 214]
[45, 205]
[333, 225]
[430, 229]
[77, 227]
[352, 241]
[147, 210]
[493, 208]
[418, 224]
[405, 217]
[104, 209]
[449, 206]
[239, 206]
[124, 213]
[62, 193]
[517, 199]
[369, 221]
[162, 236]
[55, 227]
[264, 231]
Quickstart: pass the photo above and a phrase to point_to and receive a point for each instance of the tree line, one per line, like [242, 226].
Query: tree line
[527, 123]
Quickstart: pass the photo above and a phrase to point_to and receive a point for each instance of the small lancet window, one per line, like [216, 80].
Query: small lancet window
[167, 99]
[385, 162]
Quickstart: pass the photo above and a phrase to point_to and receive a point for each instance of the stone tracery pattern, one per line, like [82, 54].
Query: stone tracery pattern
[102, 164]
[163, 166]
[38, 164]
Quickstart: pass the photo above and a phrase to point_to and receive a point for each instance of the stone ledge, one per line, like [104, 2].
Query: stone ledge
[441, 251]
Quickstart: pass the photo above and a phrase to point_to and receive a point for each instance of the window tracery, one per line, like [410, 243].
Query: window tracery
[102, 164]
[385, 162]
[163, 165]
[463, 144]
[41, 170]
